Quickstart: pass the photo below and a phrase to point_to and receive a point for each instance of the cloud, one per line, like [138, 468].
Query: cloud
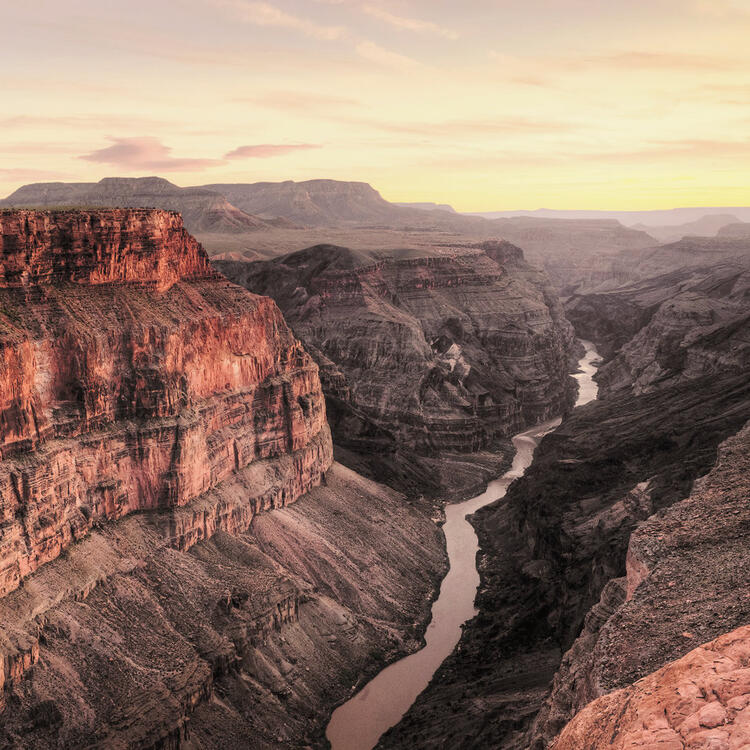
[382, 56]
[266, 150]
[662, 60]
[265, 14]
[145, 153]
[409, 24]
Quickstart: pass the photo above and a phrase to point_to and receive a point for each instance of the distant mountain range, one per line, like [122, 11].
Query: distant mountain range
[574, 246]
[662, 217]
[202, 210]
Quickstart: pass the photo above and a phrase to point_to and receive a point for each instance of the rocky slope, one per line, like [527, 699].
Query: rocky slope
[202, 210]
[425, 357]
[700, 701]
[551, 550]
[150, 410]
[677, 325]
[246, 640]
[684, 585]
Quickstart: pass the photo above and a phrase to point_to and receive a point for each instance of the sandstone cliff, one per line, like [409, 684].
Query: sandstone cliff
[700, 701]
[425, 355]
[149, 409]
[135, 378]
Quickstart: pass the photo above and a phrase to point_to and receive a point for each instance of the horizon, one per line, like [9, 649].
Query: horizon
[425, 200]
[574, 104]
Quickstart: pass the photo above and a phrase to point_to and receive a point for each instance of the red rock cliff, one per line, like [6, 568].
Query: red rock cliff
[135, 378]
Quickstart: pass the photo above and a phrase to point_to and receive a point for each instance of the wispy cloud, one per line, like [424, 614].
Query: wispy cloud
[265, 14]
[388, 58]
[145, 153]
[409, 24]
[645, 60]
[266, 150]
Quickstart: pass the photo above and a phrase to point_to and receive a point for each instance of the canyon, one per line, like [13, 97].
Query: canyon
[429, 361]
[222, 483]
[256, 221]
[619, 551]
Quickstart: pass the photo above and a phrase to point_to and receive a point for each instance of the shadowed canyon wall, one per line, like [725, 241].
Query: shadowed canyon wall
[425, 355]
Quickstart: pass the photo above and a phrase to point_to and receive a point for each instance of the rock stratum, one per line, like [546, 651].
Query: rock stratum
[135, 378]
[428, 361]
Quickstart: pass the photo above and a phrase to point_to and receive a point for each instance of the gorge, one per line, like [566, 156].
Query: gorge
[359, 723]
[184, 564]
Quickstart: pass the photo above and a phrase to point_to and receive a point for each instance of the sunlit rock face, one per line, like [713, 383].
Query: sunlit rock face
[424, 353]
[699, 701]
[136, 378]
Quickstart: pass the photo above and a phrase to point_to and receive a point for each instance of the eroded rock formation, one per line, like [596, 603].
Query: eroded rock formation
[597, 570]
[700, 701]
[135, 378]
[425, 355]
[150, 410]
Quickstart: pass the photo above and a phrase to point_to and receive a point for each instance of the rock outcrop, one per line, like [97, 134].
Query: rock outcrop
[247, 640]
[700, 701]
[425, 355]
[674, 326]
[683, 585]
[596, 570]
[552, 554]
[135, 378]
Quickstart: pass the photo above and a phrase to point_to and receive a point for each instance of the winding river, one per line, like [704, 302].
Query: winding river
[359, 723]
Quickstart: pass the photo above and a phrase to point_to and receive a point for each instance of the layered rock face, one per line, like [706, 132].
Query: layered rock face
[135, 378]
[672, 327]
[597, 571]
[138, 379]
[245, 640]
[424, 355]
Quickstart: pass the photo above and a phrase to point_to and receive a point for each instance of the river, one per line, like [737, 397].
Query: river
[359, 723]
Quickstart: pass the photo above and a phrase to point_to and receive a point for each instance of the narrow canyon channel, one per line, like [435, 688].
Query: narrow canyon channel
[359, 723]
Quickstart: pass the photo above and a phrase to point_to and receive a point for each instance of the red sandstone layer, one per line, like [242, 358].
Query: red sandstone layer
[117, 397]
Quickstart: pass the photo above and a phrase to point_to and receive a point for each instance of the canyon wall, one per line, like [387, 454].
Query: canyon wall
[425, 355]
[149, 410]
[135, 378]
[621, 548]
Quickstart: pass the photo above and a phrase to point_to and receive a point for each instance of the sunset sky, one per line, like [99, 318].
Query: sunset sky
[484, 104]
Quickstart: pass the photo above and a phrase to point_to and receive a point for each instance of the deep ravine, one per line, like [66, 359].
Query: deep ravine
[359, 723]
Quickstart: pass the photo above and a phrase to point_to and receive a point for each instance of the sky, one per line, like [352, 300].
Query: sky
[483, 104]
